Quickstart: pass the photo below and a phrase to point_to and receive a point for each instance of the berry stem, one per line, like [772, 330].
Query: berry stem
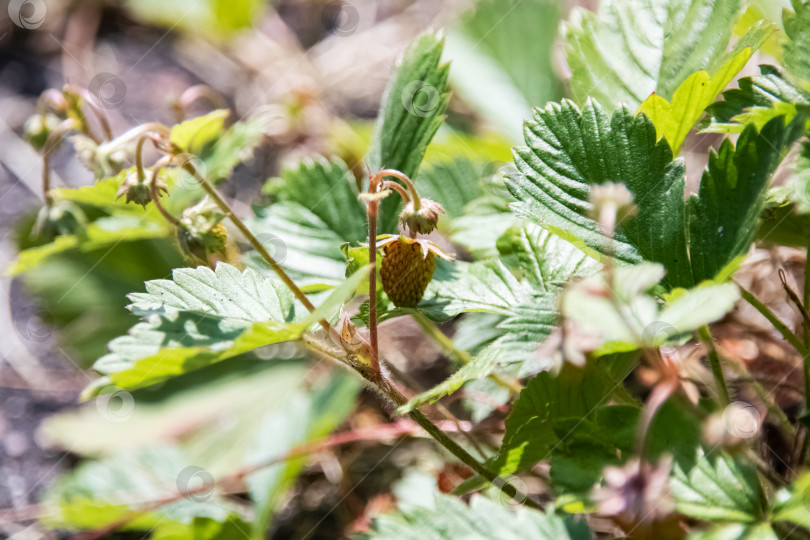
[88, 99]
[139, 158]
[50, 145]
[162, 162]
[417, 203]
[192, 94]
[388, 184]
[373, 186]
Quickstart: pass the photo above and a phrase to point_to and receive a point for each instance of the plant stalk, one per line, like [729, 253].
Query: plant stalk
[449, 348]
[789, 336]
[212, 192]
[714, 361]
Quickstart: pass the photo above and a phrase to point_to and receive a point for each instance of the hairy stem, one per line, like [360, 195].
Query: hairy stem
[787, 334]
[50, 145]
[372, 282]
[212, 192]
[156, 195]
[417, 203]
[455, 449]
[714, 361]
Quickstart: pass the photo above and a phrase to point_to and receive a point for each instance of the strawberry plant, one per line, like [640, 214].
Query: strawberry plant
[584, 293]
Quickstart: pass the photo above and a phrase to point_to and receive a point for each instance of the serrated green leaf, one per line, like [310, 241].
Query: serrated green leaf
[413, 108]
[451, 519]
[545, 260]
[570, 151]
[628, 50]
[202, 317]
[453, 184]
[753, 95]
[329, 190]
[719, 488]
[459, 287]
[529, 436]
[305, 246]
[723, 216]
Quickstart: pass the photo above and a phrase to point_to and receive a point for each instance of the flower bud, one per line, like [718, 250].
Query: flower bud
[139, 190]
[423, 220]
[201, 232]
[60, 218]
[38, 128]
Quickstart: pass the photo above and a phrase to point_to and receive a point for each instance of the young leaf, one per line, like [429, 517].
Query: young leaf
[194, 135]
[451, 519]
[628, 50]
[673, 121]
[413, 108]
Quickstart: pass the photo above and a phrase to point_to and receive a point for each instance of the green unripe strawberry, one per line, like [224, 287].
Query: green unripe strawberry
[407, 268]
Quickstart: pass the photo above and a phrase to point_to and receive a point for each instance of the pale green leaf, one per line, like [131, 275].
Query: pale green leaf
[193, 136]
[450, 519]
[202, 317]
